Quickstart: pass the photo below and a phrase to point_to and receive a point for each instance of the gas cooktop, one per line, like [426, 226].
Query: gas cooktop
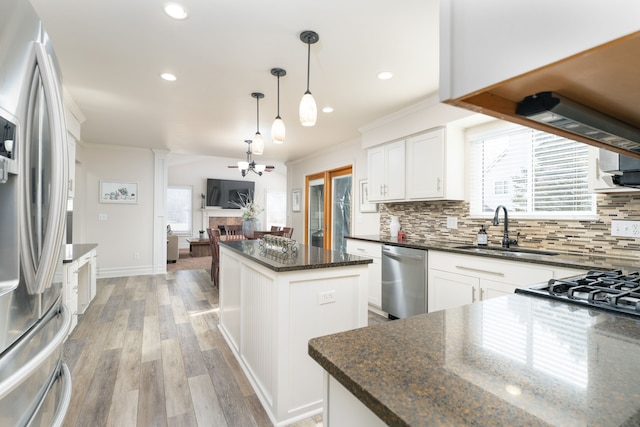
[610, 290]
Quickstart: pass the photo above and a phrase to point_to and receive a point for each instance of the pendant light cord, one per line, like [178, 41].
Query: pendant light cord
[308, 63]
[279, 97]
[257, 115]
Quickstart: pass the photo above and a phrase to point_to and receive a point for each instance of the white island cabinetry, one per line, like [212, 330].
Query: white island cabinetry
[269, 312]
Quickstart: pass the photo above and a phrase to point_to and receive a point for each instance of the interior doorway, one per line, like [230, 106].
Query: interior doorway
[328, 199]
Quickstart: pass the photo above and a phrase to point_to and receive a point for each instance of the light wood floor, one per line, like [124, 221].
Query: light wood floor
[148, 352]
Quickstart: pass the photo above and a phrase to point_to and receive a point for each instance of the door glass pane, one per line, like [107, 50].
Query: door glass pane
[341, 211]
[316, 212]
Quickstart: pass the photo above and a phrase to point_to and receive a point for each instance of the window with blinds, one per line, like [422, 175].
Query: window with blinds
[179, 207]
[532, 173]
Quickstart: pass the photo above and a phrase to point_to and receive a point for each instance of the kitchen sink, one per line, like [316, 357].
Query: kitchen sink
[507, 251]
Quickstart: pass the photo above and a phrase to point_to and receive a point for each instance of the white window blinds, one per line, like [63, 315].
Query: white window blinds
[532, 173]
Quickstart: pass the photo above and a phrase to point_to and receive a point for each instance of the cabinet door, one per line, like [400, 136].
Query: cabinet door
[492, 289]
[447, 290]
[394, 171]
[425, 165]
[375, 283]
[376, 172]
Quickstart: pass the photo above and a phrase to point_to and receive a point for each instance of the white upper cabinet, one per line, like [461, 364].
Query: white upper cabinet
[386, 172]
[433, 168]
[434, 161]
[495, 53]
[487, 42]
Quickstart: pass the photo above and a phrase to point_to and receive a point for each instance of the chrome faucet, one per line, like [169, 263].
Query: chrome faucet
[506, 241]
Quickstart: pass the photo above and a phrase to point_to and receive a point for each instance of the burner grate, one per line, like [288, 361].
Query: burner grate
[610, 290]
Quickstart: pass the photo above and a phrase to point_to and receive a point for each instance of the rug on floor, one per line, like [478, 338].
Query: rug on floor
[187, 262]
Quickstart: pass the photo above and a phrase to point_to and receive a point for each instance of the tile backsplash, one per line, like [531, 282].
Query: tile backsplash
[428, 220]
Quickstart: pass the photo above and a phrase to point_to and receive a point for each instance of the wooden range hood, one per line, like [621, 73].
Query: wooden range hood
[605, 78]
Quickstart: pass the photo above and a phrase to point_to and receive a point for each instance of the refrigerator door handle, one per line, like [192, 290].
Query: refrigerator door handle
[44, 217]
[33, 364]
[65, 400]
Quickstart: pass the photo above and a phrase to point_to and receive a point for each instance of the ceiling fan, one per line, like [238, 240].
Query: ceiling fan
[250, 165]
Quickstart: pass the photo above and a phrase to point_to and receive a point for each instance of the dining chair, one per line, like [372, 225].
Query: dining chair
[214, 243]
[275, 228]
[233, 232]
[287, 232]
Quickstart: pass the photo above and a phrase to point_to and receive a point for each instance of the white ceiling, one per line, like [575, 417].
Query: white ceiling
[112, 52]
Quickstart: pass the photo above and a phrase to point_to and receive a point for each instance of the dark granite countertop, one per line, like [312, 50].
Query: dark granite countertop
[76, 251]
[562, 259]
[510, 361]
[308, 257]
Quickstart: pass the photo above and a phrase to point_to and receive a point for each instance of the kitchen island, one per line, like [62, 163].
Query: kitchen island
[271, 305]
[514, 360]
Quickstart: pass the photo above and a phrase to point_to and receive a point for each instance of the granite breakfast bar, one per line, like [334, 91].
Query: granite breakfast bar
[270, 306]
[513, 360]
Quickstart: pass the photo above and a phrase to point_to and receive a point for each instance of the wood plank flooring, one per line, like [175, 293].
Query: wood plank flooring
[147, 352]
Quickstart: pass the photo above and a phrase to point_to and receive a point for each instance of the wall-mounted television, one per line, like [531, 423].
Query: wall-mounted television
[224, 193]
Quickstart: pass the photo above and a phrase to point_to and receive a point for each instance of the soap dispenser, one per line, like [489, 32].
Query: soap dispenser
[483, 239]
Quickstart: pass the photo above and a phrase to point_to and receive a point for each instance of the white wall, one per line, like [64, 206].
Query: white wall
[125, 239]
[193, 170]
[344, 154]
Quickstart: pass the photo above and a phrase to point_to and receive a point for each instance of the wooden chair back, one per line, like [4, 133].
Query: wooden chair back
[233, 232]
[214, 243]
[275, 228]
[288, 231]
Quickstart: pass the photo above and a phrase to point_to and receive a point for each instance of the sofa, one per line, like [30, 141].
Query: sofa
[172, 248]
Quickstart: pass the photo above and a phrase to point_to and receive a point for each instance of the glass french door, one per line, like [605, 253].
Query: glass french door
[328, 208]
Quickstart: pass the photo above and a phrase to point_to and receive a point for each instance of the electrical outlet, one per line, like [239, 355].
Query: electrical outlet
[327, 297]
[452, 222]
[102, 217]
[625, 228]
[136, 255]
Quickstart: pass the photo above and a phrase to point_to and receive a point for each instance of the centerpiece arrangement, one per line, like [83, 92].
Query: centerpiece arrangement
[251, 211]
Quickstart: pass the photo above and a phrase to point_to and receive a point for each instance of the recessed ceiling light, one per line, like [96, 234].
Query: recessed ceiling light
[175, 11]
[168, 77]
[385, 75]
[327, 110]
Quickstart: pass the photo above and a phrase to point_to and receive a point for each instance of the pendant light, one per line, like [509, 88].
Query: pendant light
[258, 143]
[277, 129]
[250, 165]
[308, 110]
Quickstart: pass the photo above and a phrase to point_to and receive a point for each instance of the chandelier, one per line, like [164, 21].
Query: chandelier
[250, 165]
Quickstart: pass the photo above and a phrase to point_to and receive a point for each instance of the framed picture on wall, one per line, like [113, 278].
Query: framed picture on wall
[296, 199]
[365, 206]
[119, 192]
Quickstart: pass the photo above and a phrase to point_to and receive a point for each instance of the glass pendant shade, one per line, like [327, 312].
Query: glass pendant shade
[260, 168]
[243, 165]
[257, 144]
[308, 110]
[278, 131]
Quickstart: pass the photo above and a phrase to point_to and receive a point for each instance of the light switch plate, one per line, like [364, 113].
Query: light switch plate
[621, 228]
[102, 217]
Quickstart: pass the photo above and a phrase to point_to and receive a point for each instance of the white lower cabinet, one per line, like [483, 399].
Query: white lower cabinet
[79, 284]
[456, 279]
[374, 251]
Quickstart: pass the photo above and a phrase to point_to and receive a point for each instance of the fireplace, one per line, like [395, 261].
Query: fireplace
[218, 218]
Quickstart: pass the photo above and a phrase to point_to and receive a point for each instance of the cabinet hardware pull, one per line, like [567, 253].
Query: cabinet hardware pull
[439, 183]
[495, 273]
[473, 294]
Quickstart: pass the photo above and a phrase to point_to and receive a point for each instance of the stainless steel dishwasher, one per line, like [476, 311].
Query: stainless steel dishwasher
[404, 281]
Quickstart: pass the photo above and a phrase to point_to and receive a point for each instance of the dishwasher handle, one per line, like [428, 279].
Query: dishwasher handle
[389, 253]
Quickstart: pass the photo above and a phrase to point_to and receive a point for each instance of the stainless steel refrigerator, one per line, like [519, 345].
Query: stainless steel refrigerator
[35, 386]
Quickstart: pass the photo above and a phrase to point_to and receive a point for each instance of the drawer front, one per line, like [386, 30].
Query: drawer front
[368, 249]
[514, 272]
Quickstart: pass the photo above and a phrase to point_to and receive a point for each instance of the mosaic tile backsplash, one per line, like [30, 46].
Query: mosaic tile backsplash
[428, 220]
